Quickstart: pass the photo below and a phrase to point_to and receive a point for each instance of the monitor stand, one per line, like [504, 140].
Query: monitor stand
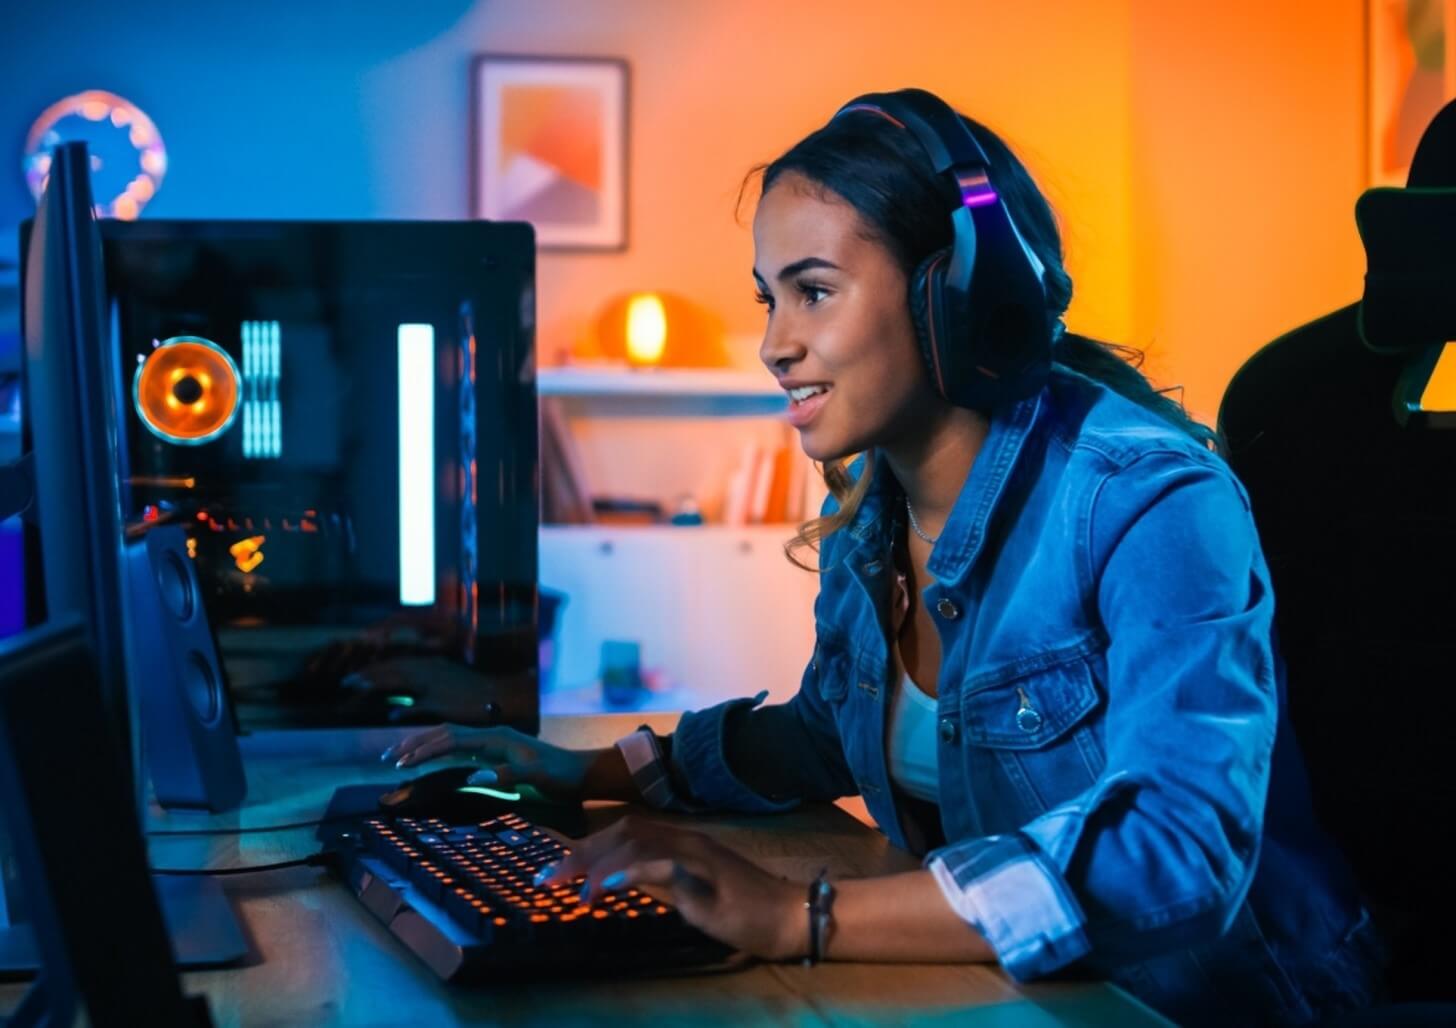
[205, 932]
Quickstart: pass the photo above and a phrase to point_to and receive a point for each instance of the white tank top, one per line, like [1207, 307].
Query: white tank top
[913, 764]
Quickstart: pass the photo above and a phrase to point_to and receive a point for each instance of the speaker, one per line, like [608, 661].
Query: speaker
[188, 738]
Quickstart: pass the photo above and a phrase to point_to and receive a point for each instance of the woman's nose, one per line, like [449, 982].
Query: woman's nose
[779, 348]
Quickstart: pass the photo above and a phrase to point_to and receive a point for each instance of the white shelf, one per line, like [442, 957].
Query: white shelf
[653, 392]
[717, 610]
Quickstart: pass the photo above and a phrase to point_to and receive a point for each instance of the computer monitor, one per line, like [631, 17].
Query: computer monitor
[72, 400]
[77, 844]
[71, 406]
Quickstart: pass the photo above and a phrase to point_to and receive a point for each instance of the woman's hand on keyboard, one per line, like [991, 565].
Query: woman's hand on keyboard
[506, 757]
[715, 889]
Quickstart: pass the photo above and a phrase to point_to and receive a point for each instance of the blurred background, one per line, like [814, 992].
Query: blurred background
[1204, 161]
[1204, 158]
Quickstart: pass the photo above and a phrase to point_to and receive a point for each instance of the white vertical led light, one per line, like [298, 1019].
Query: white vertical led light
[416, 465]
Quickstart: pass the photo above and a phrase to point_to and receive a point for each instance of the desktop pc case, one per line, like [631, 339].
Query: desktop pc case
[342, 418]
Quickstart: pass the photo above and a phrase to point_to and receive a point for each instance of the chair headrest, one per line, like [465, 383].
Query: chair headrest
[1410, 248]
[1434, 163]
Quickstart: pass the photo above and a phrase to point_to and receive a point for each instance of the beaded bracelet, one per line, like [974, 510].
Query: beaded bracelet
[821, 897]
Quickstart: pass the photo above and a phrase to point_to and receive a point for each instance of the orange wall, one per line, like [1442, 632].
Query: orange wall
[720, 87]
[1247, 141]
[1204, 160]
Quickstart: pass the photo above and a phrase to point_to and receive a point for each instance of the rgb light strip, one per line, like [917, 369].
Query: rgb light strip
[262, 410]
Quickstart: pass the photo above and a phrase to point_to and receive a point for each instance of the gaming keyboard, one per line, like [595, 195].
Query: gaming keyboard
[462, 899]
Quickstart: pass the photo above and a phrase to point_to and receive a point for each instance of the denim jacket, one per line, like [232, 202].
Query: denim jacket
[1119, 795]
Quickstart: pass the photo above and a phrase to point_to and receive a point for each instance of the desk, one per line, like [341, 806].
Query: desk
[322, 959]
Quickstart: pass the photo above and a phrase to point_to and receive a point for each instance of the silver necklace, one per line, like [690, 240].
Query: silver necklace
[915, 525]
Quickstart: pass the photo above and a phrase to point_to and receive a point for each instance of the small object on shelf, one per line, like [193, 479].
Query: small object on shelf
[548, 608]
[657, 329]
[618, 510]
[646, 329]
[622, 683]
[687, 512]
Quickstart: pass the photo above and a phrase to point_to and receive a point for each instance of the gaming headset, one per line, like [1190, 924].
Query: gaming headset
[979, 306]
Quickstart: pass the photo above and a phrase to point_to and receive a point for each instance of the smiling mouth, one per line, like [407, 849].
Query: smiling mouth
[798, 396]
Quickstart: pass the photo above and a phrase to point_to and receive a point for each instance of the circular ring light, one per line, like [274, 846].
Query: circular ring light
[128, 160]
[187, 390]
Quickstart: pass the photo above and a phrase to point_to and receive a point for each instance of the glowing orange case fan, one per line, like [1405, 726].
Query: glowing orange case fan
[187, 390]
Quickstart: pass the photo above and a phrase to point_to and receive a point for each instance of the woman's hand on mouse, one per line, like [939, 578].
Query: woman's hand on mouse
[507, 758]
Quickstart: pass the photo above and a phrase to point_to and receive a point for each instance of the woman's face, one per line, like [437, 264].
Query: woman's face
[838, 319]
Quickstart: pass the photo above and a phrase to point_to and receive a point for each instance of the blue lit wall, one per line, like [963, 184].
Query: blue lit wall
[278, 108]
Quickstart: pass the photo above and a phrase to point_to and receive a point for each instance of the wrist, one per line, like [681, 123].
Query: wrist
[818, 911]
[606, 776]
[793, 923]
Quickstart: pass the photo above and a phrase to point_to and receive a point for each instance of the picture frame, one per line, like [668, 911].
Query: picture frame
[1410, 76]
[549, 146]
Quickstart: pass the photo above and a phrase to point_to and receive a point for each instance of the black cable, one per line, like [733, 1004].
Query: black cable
[262, 828]
[319, 859]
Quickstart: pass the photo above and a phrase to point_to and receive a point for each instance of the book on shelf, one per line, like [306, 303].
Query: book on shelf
[763, 476]
[565, 489]
[739, 497]
[777, 510]
[769, 484]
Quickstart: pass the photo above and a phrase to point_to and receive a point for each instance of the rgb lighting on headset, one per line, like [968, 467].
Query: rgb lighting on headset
[976, 190]
[186, 391]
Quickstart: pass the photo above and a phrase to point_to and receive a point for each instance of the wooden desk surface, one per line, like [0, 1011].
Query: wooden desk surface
[322, 959]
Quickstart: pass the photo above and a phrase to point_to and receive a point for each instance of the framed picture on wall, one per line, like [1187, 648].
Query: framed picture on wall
[549, 146]
[1411, 68]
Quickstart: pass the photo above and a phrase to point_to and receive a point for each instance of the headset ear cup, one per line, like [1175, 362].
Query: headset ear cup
[924, 285]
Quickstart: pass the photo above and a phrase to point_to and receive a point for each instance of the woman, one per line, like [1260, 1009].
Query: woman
[1044, 652]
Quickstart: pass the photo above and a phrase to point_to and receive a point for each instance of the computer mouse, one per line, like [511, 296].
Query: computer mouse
[448, 795]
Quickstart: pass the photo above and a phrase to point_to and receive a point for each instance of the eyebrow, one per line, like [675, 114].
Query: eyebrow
[803, 264]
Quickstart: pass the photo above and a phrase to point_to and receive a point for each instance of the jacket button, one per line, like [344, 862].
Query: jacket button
[947, 730]
[946, 609]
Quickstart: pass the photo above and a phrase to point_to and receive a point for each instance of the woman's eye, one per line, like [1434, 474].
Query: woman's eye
[764, 299]
[812, 293]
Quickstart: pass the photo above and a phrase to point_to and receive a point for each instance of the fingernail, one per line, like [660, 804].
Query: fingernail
[399, 762]
[585, 893]
[543, 874]
[386, 754]
[614, 880]
[485, 776]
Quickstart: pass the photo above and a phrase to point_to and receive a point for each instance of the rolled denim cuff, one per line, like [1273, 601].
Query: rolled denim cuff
[1005, 888]
[700, 757]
